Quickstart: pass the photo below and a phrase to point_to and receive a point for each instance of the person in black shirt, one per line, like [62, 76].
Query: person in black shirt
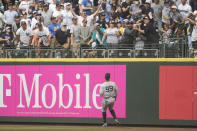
[149, 31]
[128, 35]
[193, 4]
[62, 36]
[125, 7]
[102, 21]
[146, 8]
[75, 6]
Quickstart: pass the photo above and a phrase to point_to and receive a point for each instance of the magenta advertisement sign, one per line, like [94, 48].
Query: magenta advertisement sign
[58, 90]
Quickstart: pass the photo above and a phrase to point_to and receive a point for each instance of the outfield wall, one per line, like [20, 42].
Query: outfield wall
[151, 91]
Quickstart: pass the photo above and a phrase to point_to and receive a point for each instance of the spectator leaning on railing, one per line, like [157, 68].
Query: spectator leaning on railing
[149, 31]
[24, 35]
[42, 36]
[84, 34]
[97, 36]
[53, 27]
[62, 36]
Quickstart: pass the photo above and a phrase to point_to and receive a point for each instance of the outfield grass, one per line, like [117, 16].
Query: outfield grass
[65, 129]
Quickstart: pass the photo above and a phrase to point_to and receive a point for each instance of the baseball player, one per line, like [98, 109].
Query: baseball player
[109, 92]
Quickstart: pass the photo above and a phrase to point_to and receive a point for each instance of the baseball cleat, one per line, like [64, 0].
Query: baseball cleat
[104, 125]
[117, 122]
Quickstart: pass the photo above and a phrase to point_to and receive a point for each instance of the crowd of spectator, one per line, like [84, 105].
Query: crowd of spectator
[75, 24]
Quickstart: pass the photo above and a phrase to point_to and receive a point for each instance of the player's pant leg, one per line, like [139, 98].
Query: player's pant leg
[112, 110]
[104, 117]
[104, 108]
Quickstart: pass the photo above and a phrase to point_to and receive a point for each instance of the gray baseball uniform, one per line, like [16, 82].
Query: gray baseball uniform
[109, 91]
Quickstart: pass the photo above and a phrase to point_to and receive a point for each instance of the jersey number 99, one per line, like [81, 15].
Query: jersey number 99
[109, 89]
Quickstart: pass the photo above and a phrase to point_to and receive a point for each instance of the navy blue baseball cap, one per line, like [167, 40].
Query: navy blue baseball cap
[107, 76]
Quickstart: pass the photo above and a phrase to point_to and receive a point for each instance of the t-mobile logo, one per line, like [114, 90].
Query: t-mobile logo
[26, 92]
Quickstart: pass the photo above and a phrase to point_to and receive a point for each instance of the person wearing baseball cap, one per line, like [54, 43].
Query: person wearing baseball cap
[67, 4]
[149, 31]
[16, 24]
[174, 7]
[46, 14]
[42, 36]
[148, 2]
[147, 8]
[85, 16]
[157, 6]
[101, 20]
[45, 5]
[74, 18]
[75, 40]
[6, 38]
[108, 92]
[111, 35]
[84, 34]
[57, 12]
[176, 16]
[36, 19]
[67, 14]
[23, 22]
[62, 36]
[9, 15]
[97, 36]
[185, 10]
[54, 26]
[128, 36]
[165, 12]
[24, 38]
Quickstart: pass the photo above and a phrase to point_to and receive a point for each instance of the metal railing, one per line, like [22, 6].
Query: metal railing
[166, 48]
[174, 48]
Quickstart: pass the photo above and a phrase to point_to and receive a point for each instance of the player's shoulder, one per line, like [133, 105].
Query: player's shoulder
[104, 83]
[112, 82]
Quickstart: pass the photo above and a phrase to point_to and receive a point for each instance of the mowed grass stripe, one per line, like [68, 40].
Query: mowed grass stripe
[66, 129]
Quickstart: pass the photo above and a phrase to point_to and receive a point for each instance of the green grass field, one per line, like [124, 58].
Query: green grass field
[65, 129]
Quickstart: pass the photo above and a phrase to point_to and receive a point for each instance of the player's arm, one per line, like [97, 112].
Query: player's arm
[116, 91]
[101, 91]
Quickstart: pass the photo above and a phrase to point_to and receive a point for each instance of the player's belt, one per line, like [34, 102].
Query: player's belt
[109, 97]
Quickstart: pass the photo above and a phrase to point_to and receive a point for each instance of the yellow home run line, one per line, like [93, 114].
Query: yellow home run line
[99, 60]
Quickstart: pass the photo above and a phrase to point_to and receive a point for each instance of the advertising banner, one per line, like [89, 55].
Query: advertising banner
[178, 93]
[58, 90]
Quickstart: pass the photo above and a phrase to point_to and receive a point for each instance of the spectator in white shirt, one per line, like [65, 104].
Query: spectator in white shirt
[48, 1]
[185, 9]
[84, 16]
[52, 6]
[178, 2]
[24, 34]
[42, 36]
[166, 13]
[9, 15]
[27, 20]
[46, 15]
[194, 32]
[57, 12]
[67, 15]
[36, 19]
[24, 5]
